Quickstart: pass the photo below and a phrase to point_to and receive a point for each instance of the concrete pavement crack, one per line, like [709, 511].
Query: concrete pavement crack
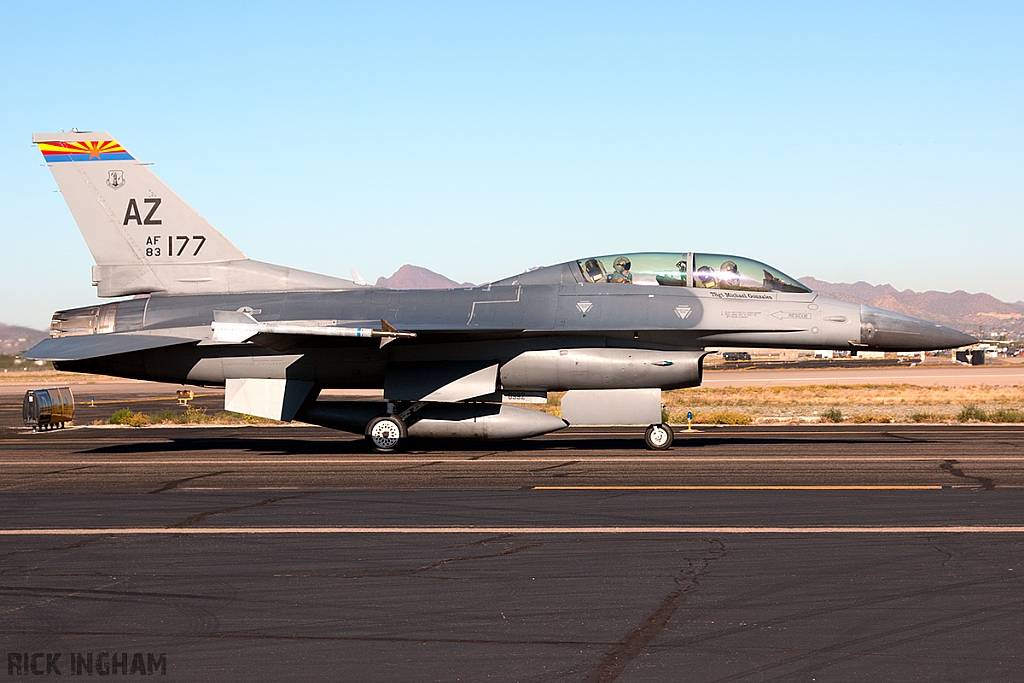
[449, 560]
[72, 546]
[188, 521]
[71, 469]
[484, 455]
[178, 482]
[950, 555]
[485, 541]
[555, 467]
[415, 467]
[616, 661]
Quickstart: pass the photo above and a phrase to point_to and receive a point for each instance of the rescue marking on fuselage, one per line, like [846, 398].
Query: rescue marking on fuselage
[472, 310]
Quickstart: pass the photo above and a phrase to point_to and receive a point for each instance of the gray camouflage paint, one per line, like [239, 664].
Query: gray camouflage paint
[546, 309]
[547, 329]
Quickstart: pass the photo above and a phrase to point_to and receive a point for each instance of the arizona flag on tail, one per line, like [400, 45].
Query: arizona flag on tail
[85, 150]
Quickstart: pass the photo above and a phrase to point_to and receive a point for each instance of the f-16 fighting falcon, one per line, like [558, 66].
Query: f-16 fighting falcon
[194, 309]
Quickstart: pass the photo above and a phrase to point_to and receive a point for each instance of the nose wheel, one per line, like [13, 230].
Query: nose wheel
[385, 434]
[658, 437]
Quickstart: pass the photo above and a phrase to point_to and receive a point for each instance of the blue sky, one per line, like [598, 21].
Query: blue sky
[879, 142]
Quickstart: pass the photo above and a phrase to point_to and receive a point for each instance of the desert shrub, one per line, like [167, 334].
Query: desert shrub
[228, 417]
[257, 420]
[925, 416]
[193, 415]
[971, 412]
[832, 414]
[865, 418]
[129, 418]
[1006, 415]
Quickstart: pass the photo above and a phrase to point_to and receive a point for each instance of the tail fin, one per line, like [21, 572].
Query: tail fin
[143, 237]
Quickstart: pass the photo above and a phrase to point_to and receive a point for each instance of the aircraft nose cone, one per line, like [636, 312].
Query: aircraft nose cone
[887, 331]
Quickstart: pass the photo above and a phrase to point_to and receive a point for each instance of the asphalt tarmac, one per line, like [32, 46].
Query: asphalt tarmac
[838, 553]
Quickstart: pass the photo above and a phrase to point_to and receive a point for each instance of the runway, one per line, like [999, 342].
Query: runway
[114, 460]
[886, 552]
[828, 552]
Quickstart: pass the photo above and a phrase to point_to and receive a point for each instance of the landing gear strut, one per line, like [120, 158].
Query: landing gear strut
[386, 433]
[658, 437]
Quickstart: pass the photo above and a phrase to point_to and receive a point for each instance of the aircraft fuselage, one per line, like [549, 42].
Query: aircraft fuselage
[496, 323]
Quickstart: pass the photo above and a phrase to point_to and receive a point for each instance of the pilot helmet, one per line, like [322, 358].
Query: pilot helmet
[730, 267]
[705, 275]
[622, 261]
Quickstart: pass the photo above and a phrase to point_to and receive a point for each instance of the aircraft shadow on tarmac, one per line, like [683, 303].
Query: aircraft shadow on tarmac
[357, 446]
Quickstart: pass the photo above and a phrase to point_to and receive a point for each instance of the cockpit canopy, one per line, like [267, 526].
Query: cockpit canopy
[702, 271]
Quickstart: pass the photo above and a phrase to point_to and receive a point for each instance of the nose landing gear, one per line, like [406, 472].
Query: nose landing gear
[658, 437]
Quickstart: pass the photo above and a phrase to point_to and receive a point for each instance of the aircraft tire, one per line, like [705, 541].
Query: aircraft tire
[386, 433]
[658, 437]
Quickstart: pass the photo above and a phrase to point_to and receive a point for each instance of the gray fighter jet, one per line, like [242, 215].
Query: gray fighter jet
[450, 362]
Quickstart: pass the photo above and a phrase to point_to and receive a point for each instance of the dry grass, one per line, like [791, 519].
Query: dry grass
[43, 377]
[718, 417]
[844, 394]
[866, 418]
[925, 416]
[191, 416]
[862, 403]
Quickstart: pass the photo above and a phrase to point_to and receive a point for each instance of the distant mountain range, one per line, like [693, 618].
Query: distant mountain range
[415, 277]
[957, 309]
[15, 339]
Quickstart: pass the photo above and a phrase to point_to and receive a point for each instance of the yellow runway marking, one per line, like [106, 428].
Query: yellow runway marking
[740, 488]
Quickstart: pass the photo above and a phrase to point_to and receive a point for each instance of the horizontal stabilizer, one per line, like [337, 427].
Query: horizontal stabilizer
[98, 345]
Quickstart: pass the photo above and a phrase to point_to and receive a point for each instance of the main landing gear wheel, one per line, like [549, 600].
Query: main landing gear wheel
[658, 437]
[385, 434]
